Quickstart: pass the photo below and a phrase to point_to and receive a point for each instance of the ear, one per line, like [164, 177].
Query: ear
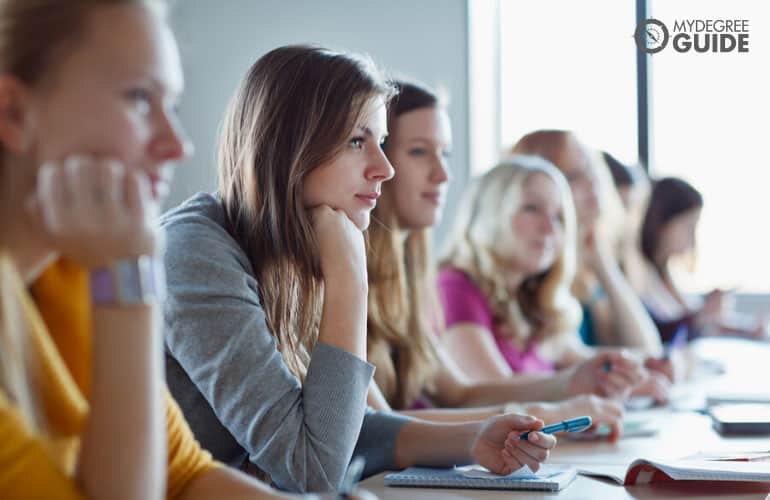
[14, 103]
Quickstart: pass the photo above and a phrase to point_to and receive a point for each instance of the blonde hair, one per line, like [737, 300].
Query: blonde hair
[403, 312]
[542, 306]
[293, 112]
[15, 375]
[552, 145]
[32, 33]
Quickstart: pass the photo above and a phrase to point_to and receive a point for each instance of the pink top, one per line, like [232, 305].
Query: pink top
[464, 302]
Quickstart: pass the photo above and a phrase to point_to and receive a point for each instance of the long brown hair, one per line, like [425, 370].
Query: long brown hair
[32, 33]
[293, 112]
[403, 311]
[670, 197]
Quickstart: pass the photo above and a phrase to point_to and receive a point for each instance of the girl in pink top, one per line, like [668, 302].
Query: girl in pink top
[506, 277]
[464, 302]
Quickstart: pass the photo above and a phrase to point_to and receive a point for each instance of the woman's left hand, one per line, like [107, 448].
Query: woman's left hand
[610, 374]
[656, 386]
[498, 448]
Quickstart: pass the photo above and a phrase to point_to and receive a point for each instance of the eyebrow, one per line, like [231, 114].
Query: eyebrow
[367, 131]
[173, 89]
[429, 141]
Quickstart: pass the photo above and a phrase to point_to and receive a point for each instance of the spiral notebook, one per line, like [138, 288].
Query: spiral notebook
[548, 478]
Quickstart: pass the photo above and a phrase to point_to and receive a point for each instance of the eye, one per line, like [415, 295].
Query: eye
[531, 207]
[417, 152]
[357, 142]
[139, 97]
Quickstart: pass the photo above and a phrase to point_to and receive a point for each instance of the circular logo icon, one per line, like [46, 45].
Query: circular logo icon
[651, 36]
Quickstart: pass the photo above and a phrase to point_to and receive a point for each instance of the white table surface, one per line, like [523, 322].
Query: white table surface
[681, 433]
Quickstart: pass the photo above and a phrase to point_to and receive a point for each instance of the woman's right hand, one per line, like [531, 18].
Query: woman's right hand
[96, 211]
[340, 245]
[711, 312]
[601, 411]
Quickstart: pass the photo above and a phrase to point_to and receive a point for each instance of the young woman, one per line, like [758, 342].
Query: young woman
[267, 287]
[668, 230]
[404, 316]
[88, 133]
[612, 313]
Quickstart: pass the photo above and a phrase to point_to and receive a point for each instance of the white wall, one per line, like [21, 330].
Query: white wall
[425, 39]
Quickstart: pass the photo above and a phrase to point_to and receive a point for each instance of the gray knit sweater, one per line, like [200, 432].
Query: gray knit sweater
[235, 390]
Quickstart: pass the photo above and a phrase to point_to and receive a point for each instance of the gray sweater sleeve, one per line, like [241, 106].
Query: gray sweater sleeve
[302, 436]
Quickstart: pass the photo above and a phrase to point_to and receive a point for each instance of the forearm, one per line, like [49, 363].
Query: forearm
[123, 451]
[454, 415]
[633, 325]
[434, 444]
[548, 387]
[343, 323]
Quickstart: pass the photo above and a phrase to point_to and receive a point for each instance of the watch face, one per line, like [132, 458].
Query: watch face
[651, 36]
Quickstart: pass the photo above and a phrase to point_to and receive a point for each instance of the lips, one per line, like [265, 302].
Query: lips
[369, 199]
[433, 197]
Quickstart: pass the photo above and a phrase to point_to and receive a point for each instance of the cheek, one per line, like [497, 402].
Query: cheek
[406, 182]
[522, 226]
[104, 135]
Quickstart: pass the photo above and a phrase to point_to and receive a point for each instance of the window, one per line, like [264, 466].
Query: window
[569, 65]
[709, 121]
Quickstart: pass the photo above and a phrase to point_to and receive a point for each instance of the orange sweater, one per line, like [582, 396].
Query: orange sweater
[58, 329]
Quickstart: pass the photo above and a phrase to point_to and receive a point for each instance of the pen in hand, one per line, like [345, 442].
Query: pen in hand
[352, 476]
[578, 424]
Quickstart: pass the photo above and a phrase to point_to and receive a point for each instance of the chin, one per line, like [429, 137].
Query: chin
[361, 221]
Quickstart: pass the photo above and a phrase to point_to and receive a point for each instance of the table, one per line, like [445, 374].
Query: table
[681, 433]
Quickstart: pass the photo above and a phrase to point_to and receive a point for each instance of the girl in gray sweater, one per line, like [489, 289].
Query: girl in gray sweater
[267, 306]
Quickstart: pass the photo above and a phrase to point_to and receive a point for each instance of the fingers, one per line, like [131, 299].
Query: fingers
[51, 195]
[664, 366]
[531, 452]
[516, 455]
[614, 385]
[95, 211]
[656, 386]
[618, 372]
[138, 195]
[517, 422]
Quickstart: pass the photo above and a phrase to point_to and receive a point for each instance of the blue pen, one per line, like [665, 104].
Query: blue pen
[677, 341]
[578, 424]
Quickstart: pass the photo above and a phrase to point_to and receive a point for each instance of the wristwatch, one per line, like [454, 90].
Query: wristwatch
[135, 281]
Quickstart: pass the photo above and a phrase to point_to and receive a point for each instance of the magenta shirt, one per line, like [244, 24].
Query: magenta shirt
[464, 302]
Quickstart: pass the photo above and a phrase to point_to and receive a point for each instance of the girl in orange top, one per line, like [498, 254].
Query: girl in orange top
[88, 133]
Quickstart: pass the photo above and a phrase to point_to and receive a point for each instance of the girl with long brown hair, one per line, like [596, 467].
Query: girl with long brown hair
[267, 287]
[404, 314]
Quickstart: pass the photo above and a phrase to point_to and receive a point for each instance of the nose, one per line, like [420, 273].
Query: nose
[171, 142]
[440, 172]
[547, 225]
[379, 168]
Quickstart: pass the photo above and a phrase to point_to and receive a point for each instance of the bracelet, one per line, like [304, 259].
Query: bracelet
[136, 281]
